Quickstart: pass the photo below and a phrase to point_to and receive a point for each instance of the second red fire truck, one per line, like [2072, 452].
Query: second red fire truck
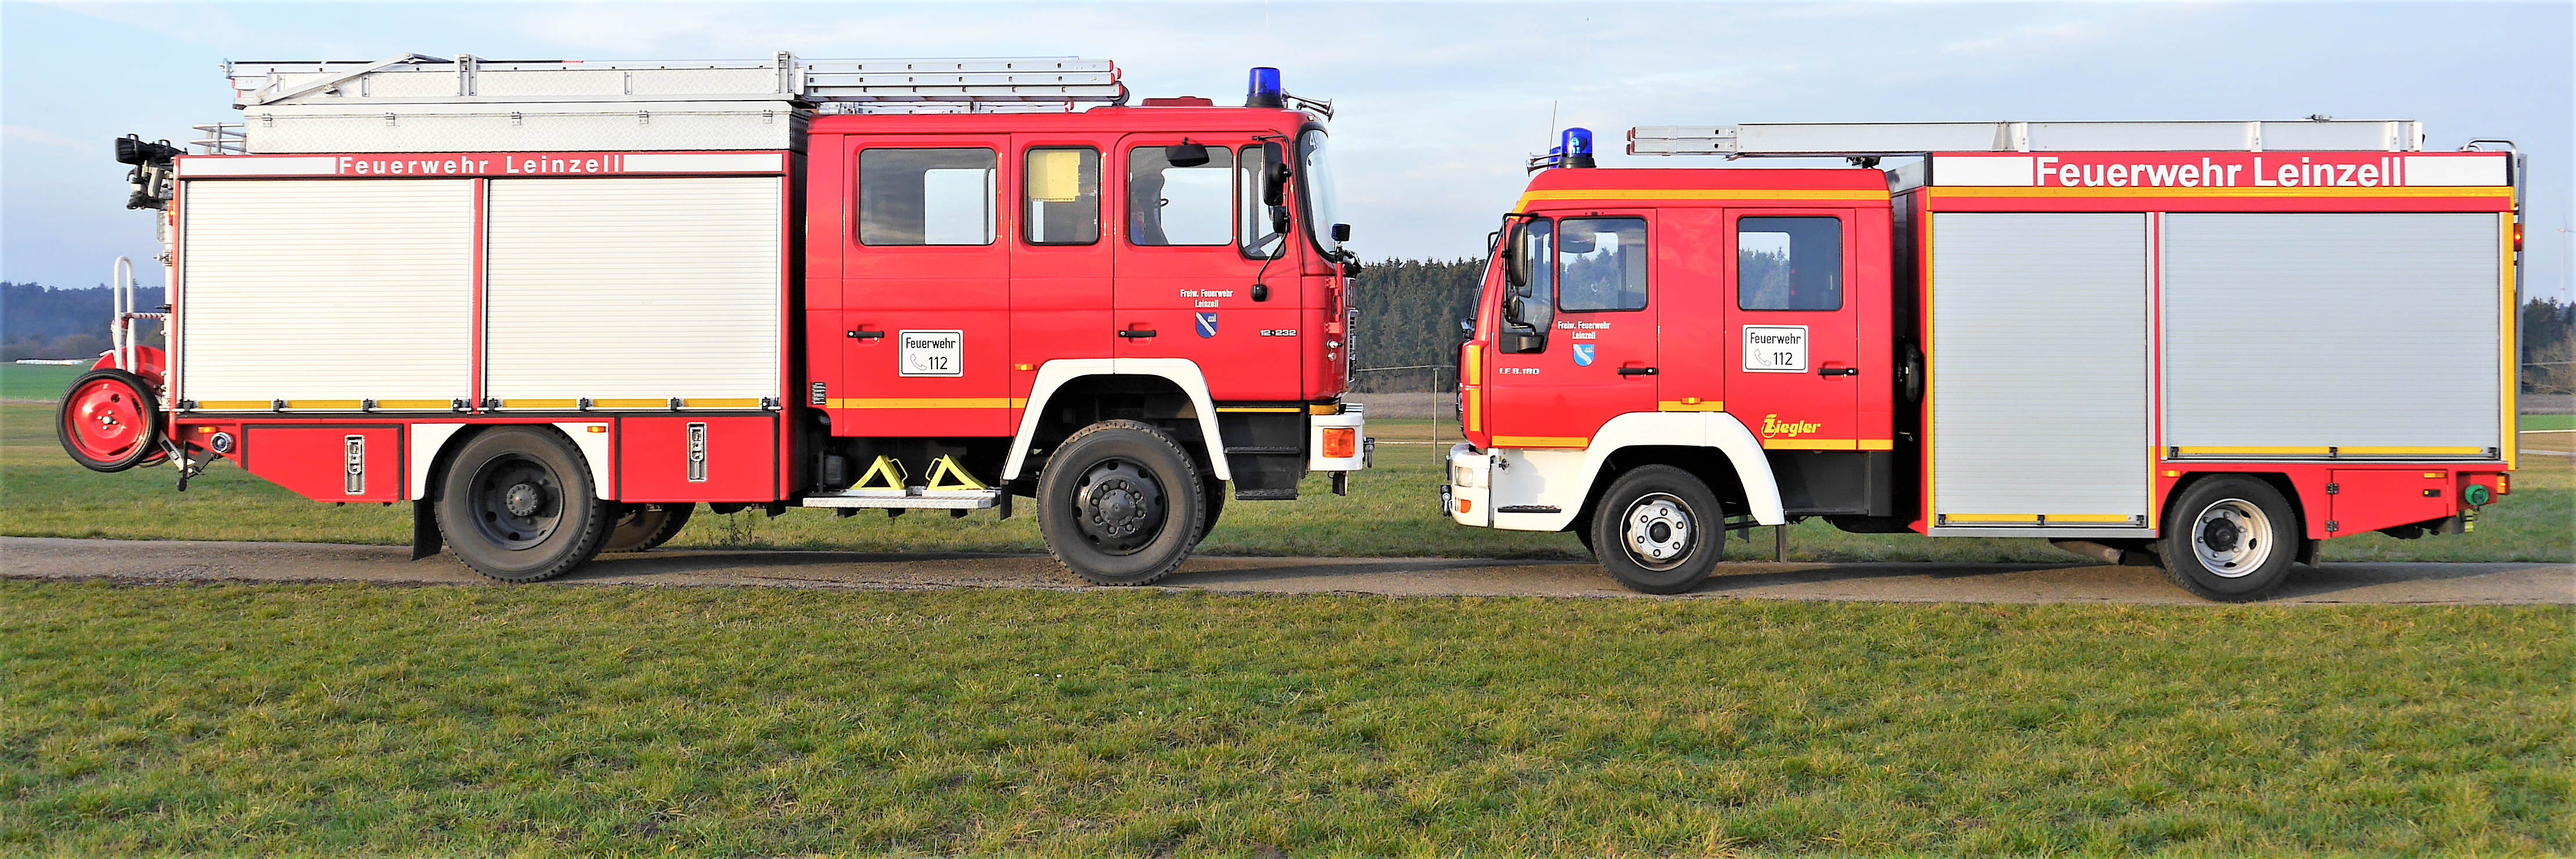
[2207, 345]
[558, 305]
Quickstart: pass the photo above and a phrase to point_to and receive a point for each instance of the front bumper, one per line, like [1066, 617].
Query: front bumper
[1470, 488]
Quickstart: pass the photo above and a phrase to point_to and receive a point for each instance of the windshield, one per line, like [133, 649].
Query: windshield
[1323, 207]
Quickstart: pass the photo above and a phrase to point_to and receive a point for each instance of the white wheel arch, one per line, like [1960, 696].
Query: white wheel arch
[1054, 375]
[1563, 481]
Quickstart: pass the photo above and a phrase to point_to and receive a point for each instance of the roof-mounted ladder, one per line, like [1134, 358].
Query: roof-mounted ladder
[466, 79]
[1877, 139]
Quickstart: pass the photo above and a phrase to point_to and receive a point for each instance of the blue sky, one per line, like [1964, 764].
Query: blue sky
[1438, 103]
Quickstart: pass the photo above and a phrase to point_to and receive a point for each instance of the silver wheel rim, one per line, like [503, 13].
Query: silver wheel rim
[1657, 532]
[2232, 538]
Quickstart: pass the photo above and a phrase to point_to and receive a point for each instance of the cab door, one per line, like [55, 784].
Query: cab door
[1583, 350]
[925, 297]
[1061, 260]
[1187, 258]
[1792, 348]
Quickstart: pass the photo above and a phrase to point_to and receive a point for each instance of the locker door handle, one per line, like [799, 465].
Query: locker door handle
[1636, 371]
[867, 335]
[1838, 371]
[1137, 332]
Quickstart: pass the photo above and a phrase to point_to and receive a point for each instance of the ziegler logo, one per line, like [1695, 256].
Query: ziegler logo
[1773, 427]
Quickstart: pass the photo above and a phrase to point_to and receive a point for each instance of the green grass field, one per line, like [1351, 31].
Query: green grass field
[44, 382]
[1392, 511]
[349, 720]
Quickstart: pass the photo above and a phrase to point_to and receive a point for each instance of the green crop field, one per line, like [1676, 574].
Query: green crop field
[1392, 510]
[36, 382]
[353, 720]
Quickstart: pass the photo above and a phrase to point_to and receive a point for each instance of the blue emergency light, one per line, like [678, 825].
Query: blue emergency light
[1265, 90]
[1577, 147]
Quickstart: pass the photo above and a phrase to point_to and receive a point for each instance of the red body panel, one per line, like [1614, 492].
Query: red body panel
[684, 458]
[1538, 400]
[329, 463]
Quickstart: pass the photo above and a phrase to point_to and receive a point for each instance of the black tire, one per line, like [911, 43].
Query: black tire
[109, 421]
[518, 505]
[2229, 538]
[1215, 509]
[1120, 503]
[1678, 537]
[640, 527]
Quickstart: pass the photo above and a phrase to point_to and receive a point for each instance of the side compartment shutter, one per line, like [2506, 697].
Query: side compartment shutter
[2300, 332]
[327, 289]
[633, 289]
[2039, 369]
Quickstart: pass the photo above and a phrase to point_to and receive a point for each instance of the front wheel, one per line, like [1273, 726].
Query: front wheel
[1657, 530]
[1120, 503]
[518, 506]
[2230, 538]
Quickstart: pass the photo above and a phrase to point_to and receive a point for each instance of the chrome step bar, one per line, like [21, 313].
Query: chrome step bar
[909, 499]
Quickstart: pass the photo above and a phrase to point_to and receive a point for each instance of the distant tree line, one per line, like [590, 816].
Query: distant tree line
[39, 321]
[1409, 312]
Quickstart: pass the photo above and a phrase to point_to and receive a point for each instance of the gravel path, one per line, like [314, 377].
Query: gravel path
[2073, 582]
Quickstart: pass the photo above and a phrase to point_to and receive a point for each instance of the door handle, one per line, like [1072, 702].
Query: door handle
[1636, 371]
[1838, 371]
[867, 335]
[1137, 332]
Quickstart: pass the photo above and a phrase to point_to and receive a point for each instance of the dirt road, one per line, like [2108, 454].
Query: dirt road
[2074, 582]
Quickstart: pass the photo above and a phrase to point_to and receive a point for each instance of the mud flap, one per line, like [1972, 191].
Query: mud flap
[424, 529]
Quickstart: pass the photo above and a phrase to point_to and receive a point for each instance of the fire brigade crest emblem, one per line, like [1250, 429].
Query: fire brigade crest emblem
[1207, 325]
[1583, 354]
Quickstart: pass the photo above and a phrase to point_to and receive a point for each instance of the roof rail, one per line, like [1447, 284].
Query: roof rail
[1875, 139]
[466, 79]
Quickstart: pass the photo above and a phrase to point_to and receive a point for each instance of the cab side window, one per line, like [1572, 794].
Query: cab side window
[1186, 203]
[926, 196]
[1789, 264]
[1601, 264]
[1262, 238]
[1063, 195]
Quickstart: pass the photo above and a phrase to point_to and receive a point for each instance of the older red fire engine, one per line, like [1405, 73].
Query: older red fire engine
[2206, 345]
[557, 305]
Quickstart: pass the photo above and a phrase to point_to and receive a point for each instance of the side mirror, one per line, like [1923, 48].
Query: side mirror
[1274, 175]
[1186, 154]
[1341, 232]
[1279, 219]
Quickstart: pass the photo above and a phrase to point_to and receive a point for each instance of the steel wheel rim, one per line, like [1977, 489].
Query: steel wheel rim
[518, 501]
[1119, 507]
[1658, 532]
[106, 420]
[2232, 538]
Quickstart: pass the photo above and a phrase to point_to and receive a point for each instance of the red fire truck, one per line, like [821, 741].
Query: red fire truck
[2208, 345]
[557, 305]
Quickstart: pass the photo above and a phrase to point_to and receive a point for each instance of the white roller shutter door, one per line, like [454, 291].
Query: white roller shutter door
[336, 290]
[2295, 332]
[2039, 369]
[633, 289]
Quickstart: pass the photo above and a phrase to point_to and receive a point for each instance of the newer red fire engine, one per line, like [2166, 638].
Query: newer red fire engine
[2206, 344]
[557, 305]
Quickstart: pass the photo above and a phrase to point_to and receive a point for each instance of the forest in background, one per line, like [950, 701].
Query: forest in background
[1409, 312]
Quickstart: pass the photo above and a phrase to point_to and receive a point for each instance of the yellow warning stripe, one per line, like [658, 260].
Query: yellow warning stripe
[2330, 451]
[2418, 192]
[1540, 441]
[927, 403]
[1648, 195]
[1266, 409]
[2035, 518]
[1828, 444]
[1683, 406]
